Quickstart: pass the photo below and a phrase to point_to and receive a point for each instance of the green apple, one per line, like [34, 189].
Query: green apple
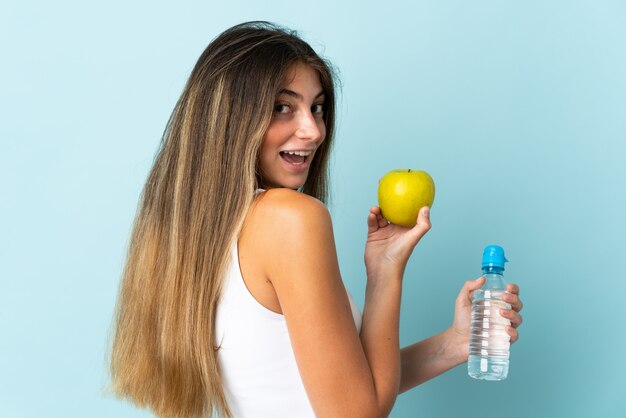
[402, 193]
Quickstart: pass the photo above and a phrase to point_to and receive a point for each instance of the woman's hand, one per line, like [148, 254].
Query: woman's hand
[460, 329]
[389, 245]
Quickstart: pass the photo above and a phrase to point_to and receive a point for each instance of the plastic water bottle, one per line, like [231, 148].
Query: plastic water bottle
[489, 342]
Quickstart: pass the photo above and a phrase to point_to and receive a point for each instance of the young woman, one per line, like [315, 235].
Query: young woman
[231, 302]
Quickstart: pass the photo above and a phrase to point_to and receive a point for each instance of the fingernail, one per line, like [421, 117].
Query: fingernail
[426, 210]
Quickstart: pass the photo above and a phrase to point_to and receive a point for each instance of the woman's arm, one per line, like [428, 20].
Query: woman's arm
[344, 373]
[427, 359]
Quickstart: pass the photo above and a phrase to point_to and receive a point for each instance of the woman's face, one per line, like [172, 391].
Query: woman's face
[296, 131]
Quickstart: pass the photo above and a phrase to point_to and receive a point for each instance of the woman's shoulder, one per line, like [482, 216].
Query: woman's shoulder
[281, 225]
[282, 202]
[280, 218]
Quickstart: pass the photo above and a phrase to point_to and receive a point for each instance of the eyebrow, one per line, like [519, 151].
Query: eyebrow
[297, 95]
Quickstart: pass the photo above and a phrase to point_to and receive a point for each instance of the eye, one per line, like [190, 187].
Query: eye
[318, 109]
[281, 108]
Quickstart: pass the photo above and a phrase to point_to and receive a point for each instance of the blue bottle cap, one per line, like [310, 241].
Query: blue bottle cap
[494, 256]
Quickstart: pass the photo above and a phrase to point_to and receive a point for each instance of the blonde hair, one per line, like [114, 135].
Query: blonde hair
[164, 354]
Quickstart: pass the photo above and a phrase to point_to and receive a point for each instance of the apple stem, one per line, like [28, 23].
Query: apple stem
[409, 170]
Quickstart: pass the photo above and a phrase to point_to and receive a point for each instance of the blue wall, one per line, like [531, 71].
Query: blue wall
[517, 109]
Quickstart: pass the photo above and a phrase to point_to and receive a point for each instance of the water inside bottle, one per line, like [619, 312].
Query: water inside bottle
[489, 342]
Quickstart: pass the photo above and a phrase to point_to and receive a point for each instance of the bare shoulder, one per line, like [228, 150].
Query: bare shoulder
[287, 199]
[287, 224]
[279, 211]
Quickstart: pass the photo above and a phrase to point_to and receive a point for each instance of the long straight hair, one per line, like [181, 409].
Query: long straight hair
[198, 191]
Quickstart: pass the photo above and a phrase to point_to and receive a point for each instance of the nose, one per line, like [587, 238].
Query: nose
[307, 127]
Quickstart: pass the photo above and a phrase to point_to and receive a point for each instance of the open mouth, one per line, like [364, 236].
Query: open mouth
[295, 158]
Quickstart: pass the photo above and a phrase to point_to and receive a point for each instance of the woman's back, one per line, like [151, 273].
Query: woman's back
[255, 356]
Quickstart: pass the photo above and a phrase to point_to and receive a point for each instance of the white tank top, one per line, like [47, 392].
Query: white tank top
[256, 361]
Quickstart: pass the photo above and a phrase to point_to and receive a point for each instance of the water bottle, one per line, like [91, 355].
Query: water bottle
[489, 342]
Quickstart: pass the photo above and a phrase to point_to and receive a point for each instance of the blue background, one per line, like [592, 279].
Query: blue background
[517, 109]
